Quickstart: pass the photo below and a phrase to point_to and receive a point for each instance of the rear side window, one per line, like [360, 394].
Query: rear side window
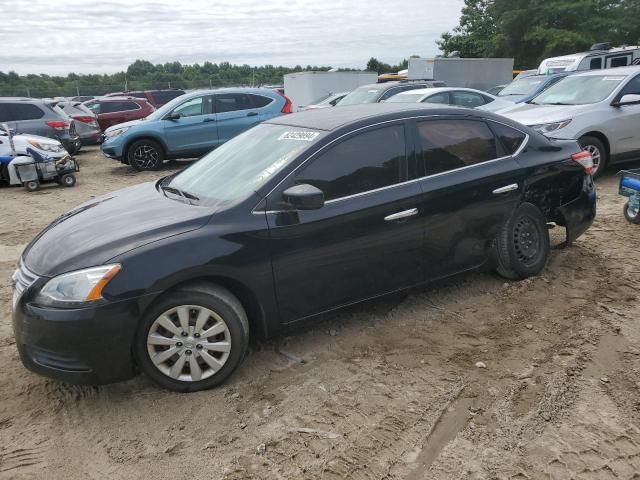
[510, 138]
[367, 161]
[595, 64]
[111, 107]
[13, 112]
[451, 144]
[632, 87]
[165, 96]
[438, 98]
[259, 101]
[230, 102]
[468, 99]
[135, 94]
[619, 62]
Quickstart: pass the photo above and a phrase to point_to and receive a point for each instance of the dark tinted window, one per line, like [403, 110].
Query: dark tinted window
[437, 98]
[468, 99]
[619, 62]
[369, 160]
[451, 144]
[135, 94]
[229, 102]
[111, 107]
[11, 112]
[258, 101]
[633, 87]
[595, 64]
[510, 138]
[165, 96]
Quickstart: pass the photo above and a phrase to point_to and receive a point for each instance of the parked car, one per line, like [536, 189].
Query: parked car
[462, 97]
[600, 108]
[296, 217]
[191, 125]
[524, 89]
[115, 110]
[378, 92]
[82, 98]
[329, 101]
[496, 90]
[29, 115]
[525, 73]
[157, 98]
[85, 121]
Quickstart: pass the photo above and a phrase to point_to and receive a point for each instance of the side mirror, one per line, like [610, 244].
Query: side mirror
[304, 197]
[174, 116]
[628, 99]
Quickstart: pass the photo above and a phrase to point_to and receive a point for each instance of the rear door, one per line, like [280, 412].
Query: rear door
[196, 131]
[366, 240]
[235, 113]
[470, 186]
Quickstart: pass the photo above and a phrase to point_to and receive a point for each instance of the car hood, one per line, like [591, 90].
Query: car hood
[105, 227]
[529, 114]
[130, 123]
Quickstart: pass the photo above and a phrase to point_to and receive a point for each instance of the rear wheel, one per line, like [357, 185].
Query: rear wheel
[598, 153]
[632, 214]
[522, 246]
[67, 180]
[194, 339]
[32, 185]
[145, 155]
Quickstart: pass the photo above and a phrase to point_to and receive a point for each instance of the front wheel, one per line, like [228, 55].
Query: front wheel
[632, 214]
[522, 246]
[32, 185]
[145, 155]
[193, 339]
[67, 180]
[598, 153]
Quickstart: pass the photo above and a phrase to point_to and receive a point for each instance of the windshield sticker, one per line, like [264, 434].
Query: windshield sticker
[302, 136]
[612, 79]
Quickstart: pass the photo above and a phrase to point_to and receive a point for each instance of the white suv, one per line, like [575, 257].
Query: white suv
[599, 108]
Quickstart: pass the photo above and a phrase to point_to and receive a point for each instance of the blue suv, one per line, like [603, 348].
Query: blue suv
[191, 125]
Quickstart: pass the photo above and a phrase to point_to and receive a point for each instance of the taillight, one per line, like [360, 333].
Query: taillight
[287, 102]
[59, 124]
[585, 159]
[84, 119]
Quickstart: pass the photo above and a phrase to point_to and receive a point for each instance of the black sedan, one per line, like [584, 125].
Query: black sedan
[296, 217]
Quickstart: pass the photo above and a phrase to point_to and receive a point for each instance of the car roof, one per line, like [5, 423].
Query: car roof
[330, 119]
[626, 71]
[434, 90]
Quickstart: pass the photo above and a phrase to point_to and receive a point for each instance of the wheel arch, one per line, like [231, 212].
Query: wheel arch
[154, 138]
[600, 136]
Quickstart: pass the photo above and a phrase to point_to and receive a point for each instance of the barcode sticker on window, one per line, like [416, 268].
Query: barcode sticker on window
[302, 136]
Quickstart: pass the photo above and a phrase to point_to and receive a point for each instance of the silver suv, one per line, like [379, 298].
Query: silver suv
[599, 108]
[28, 115]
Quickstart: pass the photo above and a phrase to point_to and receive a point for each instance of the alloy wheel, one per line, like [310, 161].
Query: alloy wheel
[189, 343]
[146, 157]
[596, 156]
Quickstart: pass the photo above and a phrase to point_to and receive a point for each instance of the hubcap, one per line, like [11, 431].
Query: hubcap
[526, 238]
[145, 156]
[632, 212]
[189, 343]
[595, 156]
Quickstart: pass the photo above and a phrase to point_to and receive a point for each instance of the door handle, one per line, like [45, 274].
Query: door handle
[252, 114]
[208, 119]
[394, 217]
[505, 189]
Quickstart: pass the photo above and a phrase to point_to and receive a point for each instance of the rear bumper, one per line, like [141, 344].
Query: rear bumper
[579, 214]
[91, 138]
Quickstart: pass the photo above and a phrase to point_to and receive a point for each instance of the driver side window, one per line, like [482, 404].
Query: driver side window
[631, 88]
[191, 108]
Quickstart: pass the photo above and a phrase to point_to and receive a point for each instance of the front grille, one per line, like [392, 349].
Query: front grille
[22, 279]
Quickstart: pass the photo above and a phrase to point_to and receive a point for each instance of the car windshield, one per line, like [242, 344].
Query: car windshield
[522, 86]
[579, 90]
[233, 171]
[405, 98]
[166, 108]
[361, 95]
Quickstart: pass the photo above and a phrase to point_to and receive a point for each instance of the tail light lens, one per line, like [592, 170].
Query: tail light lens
[585, 159]
[287, 102]
[59, 124]
[85, 119]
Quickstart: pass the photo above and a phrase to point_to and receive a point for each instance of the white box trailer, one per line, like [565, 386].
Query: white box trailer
[306, 88]
[479, 73]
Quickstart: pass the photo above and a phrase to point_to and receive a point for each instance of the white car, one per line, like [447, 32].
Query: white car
[327, 102]
[599, 108]
[462, 97]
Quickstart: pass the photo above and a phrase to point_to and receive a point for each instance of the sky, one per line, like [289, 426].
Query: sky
[105, 36]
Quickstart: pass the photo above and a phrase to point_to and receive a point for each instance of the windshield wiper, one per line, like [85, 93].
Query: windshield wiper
[186, 196]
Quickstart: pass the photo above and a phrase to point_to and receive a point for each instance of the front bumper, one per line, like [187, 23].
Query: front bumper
[112, 147]
[91, 345]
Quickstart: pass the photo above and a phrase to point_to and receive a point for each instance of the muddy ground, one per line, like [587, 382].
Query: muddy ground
[389, 389]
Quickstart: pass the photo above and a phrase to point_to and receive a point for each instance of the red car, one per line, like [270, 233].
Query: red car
[114, 110]
[157, 98]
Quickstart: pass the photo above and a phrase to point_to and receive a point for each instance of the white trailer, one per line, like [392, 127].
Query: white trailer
[479, 73]
[600, 55]
[306, 88]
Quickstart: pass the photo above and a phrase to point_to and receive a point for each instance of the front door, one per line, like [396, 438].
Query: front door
[236, 113]
[470, 186]
[365, 241]
[624, 122]
[196, 130]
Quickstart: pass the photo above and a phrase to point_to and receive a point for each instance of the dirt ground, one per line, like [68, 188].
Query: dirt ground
[389, 389]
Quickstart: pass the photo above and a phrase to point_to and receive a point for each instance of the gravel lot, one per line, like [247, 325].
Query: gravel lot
[389, 389]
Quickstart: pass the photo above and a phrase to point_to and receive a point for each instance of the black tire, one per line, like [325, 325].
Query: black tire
[593, 145]
[145, 155]
[631, 215]
[214, 298]
[32, 185]
[522, 246]
[67, 180]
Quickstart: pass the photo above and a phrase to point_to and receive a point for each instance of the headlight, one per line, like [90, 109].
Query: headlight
[551, 127]
[115, 132]
[77, 287]
[47, 147]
